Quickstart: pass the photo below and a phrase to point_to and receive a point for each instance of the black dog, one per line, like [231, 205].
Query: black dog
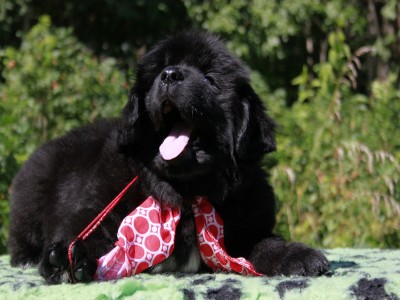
[188, 86]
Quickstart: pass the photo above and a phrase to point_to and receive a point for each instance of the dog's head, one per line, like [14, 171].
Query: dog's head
[192, 112]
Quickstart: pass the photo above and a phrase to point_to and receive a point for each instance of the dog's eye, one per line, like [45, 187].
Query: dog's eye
[209, 79]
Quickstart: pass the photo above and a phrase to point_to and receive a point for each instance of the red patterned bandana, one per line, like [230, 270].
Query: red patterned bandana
[146, 237]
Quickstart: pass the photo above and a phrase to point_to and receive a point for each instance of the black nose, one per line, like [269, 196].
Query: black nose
[171, 75]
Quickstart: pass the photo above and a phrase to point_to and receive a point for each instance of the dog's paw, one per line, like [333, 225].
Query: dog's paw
[55, 266]
[301, 260]
[274, 257]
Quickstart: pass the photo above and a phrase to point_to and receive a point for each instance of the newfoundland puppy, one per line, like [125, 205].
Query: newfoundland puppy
[192, 126]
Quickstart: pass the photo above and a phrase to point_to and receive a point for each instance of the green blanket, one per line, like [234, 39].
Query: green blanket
[354, 274]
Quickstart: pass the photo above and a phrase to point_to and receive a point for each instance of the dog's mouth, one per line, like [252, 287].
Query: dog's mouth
[178, 132]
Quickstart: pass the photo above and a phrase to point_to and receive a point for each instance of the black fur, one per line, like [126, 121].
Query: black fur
[190, 78]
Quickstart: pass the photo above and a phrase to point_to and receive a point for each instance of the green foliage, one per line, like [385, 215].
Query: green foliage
[52, 84]
[12, 13]
[117, 28]
[338, 172]
[263, 33]
[277, 37]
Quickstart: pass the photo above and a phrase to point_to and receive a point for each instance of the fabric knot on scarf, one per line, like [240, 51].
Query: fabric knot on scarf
[146, 238]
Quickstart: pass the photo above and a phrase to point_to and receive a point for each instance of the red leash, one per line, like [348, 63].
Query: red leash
[95, 223]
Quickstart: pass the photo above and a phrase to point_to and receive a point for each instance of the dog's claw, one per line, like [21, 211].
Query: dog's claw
[85, 272]
[79, 274]
[54, 259]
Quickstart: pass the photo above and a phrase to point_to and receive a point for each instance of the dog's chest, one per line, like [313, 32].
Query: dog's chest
[186, 256]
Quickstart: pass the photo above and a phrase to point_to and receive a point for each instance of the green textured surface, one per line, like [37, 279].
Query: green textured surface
[354, 274]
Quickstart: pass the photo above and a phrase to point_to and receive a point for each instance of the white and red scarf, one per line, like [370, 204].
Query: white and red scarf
[146, 238]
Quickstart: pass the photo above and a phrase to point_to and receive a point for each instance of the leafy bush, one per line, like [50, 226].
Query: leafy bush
[277, 37]
[12, 13]
[121, 29]
[338, 164]
[52, 84]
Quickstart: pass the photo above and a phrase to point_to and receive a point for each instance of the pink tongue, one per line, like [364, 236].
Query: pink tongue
[175, 142]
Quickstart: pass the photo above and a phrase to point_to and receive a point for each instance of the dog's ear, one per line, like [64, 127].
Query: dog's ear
[130, 131]
[255, 131]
